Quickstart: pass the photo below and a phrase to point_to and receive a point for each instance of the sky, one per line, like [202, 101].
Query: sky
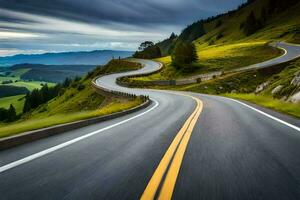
[38, 26]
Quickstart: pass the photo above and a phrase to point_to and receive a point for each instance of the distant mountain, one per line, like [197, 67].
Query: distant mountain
[51, 73]
[98, 57]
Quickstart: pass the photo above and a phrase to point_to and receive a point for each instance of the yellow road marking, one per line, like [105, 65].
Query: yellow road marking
[169, 183]
[180, 141]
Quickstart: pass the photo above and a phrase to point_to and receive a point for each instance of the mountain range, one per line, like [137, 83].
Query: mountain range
[97, 57]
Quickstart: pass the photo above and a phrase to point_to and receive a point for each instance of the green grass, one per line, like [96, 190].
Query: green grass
[279, 27]
[17, 101]
[74, 104]
[235, 55]
[243, 85]
[8, 78]
[37, 123]
[269, 102]
[31, 85]
[218, 58]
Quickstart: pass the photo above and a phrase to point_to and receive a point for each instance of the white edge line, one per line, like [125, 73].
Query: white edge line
[265, 114]
[68, 143]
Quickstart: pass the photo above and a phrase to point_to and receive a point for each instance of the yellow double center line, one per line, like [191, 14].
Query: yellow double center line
[176, 151]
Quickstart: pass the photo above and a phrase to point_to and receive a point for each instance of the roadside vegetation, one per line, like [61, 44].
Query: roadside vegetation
[273, 87]
[217, 58]
[17, 102]
[269, 102]
[78, 100]
[232, 40]
[13, 89]
[147, 50]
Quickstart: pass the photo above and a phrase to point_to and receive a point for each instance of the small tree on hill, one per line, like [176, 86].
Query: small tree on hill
[147, 50]
[173, 36]
[145, 45]
[11, 114]
[251, 25]
[184, 55]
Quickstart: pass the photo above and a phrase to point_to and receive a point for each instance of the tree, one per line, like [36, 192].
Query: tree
[11, 114]
[263, 16]
[3, 114]
[173, 36]
[152, 51]
[184, 55]
[251, 25]
[145, 45]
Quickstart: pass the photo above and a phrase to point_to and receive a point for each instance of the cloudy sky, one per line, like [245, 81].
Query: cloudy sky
[37, 26]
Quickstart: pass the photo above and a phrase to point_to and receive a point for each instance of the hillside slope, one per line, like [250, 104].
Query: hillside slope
[281, 25]
[78, 101]
[279, 20]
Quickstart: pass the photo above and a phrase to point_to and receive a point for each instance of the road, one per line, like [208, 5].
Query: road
[184, 146]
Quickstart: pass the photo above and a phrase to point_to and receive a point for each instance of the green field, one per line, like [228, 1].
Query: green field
[46, 121]
[31, 85]
[75, 104]
[269, 102]
[18, 82]
[17, 101]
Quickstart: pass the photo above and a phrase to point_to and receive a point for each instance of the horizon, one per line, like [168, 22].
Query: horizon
[30, 28]
[58, 52]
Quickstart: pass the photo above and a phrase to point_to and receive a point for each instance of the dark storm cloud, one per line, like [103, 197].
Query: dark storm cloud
[122, 11]
[54, 25]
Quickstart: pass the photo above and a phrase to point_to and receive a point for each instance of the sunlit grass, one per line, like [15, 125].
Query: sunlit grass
[46, 121]
[269, 102]
[17, 101]
[31, 85]
[218, 58]
[74, 104]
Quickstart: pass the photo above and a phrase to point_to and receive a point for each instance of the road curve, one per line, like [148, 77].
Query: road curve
[234, 152]
[291, 51]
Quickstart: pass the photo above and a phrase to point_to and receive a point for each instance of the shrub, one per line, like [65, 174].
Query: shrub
[8, 115]
[184, 55]
[148, 53]
[80, 87]
[219, 23]
[251, 25]
[219, 36]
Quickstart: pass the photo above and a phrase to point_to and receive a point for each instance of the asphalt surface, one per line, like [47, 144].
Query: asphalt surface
[234, 152]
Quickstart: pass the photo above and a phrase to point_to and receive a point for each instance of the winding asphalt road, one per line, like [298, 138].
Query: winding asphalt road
[184, 146]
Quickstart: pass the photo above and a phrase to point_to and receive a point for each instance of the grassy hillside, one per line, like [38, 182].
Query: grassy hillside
[282, 26]
[17, 101]
[78, 101]
[15, 77]
[9, 90]
[218, 58]
[237, 39]
[269, 102]
[243, 85]
[279, 21]
[222, 43]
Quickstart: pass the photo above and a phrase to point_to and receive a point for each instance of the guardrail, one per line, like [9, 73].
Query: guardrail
[102, 90]
[31, 136]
